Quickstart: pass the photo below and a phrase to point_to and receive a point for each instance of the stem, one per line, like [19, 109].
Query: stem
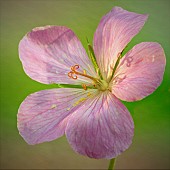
[111, 164]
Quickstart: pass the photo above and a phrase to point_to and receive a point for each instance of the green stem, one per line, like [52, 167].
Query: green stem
[111, 164]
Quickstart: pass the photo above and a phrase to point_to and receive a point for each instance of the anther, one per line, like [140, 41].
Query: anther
[84, 86]
[84, 72]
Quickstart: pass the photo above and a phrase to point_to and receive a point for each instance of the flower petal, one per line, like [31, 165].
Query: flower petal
[100, 128]
[140, 72]
[47, 54]
[115, 31]
[43, 115]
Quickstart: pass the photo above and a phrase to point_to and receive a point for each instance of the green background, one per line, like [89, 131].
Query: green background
[151, 144]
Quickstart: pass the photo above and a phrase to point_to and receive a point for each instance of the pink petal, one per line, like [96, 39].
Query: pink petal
[43, 115]
[47, 54]
[140, 72]
[100, 128]
[115, 31]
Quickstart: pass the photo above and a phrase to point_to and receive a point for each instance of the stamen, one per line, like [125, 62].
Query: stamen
[84, 86]
[94, 85]
[84, 72]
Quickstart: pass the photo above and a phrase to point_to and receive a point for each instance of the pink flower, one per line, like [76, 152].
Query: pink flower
[95, 122]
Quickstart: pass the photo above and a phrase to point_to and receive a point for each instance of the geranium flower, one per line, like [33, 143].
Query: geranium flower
[90, 113]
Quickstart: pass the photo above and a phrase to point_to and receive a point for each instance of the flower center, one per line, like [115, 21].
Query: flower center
[97, 83]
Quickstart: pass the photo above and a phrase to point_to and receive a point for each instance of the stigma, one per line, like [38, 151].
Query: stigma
[97, 83]
[74, 73]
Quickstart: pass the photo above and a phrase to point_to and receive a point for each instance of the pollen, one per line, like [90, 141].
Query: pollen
[53, 106]
[79, 101]
[68, 109]
[89, 94]
[84, 72]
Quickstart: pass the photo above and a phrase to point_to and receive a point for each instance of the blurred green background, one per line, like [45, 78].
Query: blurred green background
[151, 144]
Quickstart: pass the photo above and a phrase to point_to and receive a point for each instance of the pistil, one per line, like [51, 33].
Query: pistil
[73, 73]
[97, 83]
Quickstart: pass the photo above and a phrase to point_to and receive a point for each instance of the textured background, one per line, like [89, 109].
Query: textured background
[150, 148]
